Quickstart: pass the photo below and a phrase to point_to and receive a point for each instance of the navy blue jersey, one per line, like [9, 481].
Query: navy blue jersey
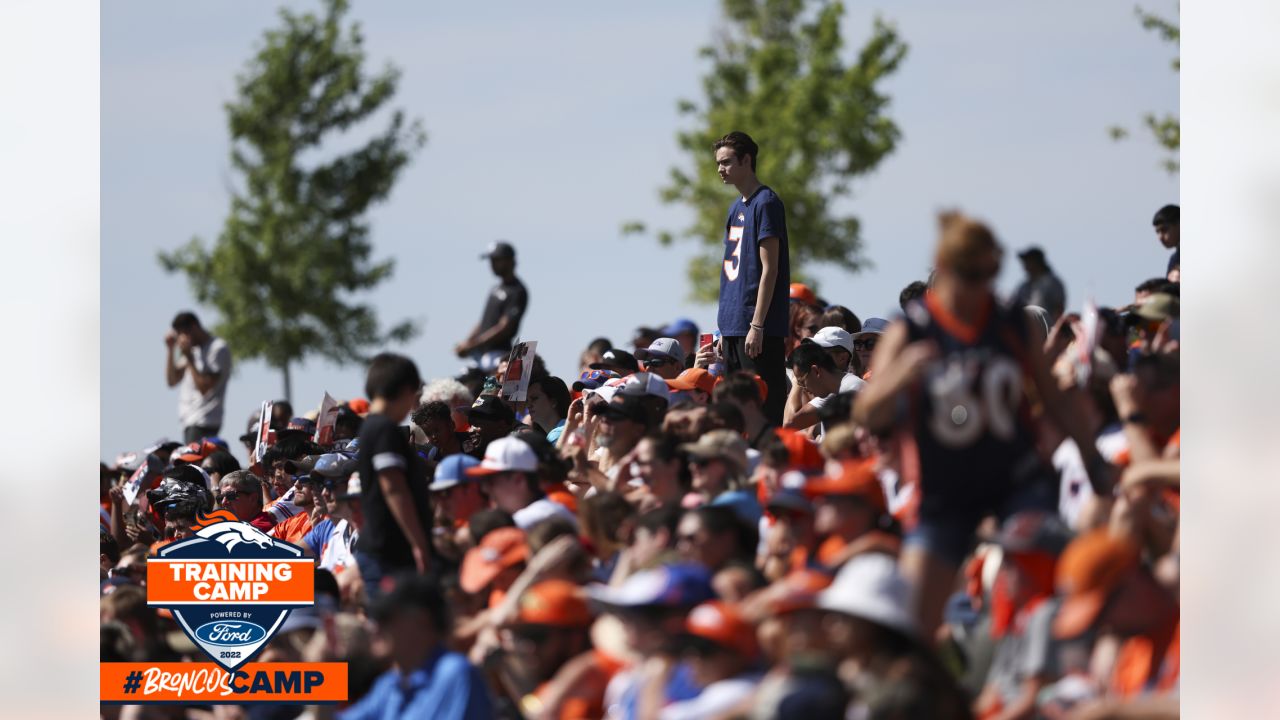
[970, 416]
[759, 216]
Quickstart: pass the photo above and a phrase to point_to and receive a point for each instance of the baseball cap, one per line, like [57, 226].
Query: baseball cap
[693, 379]
[300, 424]
[452, 470]
[726, 445]
[501, 248]
[1090, 569]
[869, 587]
[723, 625]
[334, 465]
[663, 348]
[625, 407]
[592, 379]
[558, 603]
[786, 498]
[195, 452]
[834, 337]
[798, 590]
[855, 478]
[801, 292]
[644, 383]
[1034, 251]
[490, 407]
[618, 360]
[1034, 531]
[359, 406]
[500, 549]
[872, 326]
[681, 325]
[802, 453]
[507, 454]
[1158, 307]
[679, 585]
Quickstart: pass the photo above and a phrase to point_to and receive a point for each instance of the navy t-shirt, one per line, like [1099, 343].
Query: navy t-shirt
[759, 216]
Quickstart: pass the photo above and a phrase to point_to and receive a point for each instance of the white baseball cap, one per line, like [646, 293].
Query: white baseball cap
[834, 337]
[506, 454]
[869, 587]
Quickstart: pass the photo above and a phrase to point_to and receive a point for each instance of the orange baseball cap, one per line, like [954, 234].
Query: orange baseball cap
[499, 550]
[1090, 569]
[723, 625]
[801, 292]
[802, 452]
[558, 603]
[359, 406]
[694, 379]
[856, 477]
[196, 451]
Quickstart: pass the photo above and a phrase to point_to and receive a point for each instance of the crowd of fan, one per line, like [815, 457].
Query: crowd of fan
[640, 541]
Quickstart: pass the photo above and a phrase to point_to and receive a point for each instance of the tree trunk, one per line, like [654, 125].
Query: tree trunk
[288, 389]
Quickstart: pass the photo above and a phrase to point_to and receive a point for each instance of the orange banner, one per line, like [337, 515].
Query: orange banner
[183, 683]
[231, 582]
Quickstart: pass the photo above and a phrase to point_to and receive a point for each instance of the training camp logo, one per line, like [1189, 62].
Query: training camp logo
[230, 586]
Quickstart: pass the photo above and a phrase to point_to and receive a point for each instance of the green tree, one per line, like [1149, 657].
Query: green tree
[295, 245]
[1166, 129]
[778, 75]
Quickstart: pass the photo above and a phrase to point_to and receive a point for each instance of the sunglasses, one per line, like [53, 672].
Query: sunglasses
[658, 362]
[230, 497]
[702, 462]
[868, 344]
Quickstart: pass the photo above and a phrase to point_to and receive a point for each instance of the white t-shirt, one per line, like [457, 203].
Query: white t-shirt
[848, 383]
[195, 408]
[1075, 489]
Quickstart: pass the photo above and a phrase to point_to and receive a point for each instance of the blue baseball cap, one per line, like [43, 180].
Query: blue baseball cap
[451, 471]
[681, 585]
[681, 325]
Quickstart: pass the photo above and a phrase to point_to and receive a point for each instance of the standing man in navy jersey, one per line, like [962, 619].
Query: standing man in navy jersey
[755, 277]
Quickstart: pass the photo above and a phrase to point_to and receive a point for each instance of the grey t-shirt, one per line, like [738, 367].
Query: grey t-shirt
[204, 409]
[1031, 653]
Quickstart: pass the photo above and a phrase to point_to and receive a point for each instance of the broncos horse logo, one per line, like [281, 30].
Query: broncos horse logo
[222, 527]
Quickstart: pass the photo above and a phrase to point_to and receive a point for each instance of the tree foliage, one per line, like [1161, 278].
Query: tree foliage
[777, 73]
[295, 245]
[1165, 128]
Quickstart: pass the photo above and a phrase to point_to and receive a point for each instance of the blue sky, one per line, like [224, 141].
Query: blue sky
[551, 124]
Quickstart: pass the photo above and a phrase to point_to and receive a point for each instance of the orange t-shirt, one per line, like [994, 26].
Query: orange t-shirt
[585, 701]
[293, 529]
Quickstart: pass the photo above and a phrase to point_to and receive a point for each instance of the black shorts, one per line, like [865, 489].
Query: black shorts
[770, 365]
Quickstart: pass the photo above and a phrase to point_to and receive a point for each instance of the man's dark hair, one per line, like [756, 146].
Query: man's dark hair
[809, 353]
[411, 590]
[599, 345]
[841, 317]
[725, 416]
[221, 462]
[288, 407]
[1157, 285]
[348, 418]
[434, 410]
[390, 375]
[739, 385]
[667, 516]
[774, 452]
[1167, 215]
[913, 291]
[486, 521]
[741, 144]
[184, 321]
[557, 392]
[108, 546]
[721, 519]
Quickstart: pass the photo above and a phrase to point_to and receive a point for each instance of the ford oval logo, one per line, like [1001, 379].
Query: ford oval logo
[230, 632]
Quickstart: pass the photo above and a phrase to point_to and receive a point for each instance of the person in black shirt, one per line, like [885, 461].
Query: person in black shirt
[490, 341]
[393, 480]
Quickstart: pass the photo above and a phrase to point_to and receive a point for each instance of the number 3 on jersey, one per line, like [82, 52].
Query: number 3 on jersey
[735, 257]
[961, 415]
